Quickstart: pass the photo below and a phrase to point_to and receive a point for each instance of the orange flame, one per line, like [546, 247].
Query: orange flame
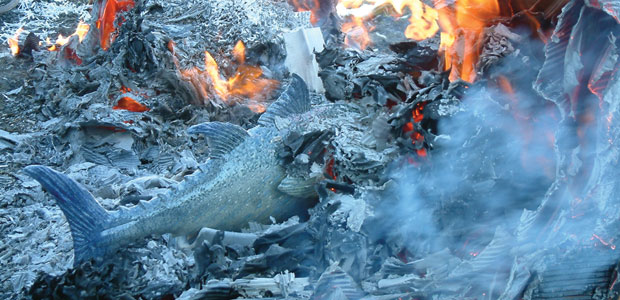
[14, 42]
[461, 25]
[462, 30]
[312, 6]
[239, 52]
[80, 32]
[356, 33]
[107, 17]
[422, 22]
[245, 83]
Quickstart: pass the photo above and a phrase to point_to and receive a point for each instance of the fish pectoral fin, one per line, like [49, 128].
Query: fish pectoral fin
[294, 100]
[221, 137]
[298, 187]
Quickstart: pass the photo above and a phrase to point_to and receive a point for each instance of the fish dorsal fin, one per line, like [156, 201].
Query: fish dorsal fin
[294, 100]
[222, 137]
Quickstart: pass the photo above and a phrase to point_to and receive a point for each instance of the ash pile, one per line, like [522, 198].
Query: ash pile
[442, 150]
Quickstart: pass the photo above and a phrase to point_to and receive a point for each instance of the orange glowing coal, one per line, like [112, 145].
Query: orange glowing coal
[107, 17]
[246, 82]
[417, 116]
[80, 32]
[128, 103]
[14, 42]
[417, 113]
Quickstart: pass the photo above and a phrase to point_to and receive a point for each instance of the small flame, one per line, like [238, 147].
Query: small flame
[245, 83]
[61, 40]
[356, 33]
[107, 17]
[80, 32]
[14, 42]
[239, 52]
[312, 6]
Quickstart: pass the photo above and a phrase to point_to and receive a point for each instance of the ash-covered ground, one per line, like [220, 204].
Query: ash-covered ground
[431, 189]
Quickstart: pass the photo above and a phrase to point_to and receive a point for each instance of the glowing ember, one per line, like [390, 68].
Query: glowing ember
[408, 127]
[246, 83]
[416, 138]
[125, 89]
[107, 17]
[329, 169]
[417, 112]
[130, 104]
[14, 42]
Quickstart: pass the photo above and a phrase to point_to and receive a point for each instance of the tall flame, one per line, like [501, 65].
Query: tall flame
[14, 42]
[107, 17]
[462, 29]
[462, 25]
[245, 83]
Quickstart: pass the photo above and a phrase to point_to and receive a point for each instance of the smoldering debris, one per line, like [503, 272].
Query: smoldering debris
[429, 187]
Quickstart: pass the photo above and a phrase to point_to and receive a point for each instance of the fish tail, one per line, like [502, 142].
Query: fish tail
[87, 219]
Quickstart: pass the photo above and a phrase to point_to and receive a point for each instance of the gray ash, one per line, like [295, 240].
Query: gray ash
[430, 189]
